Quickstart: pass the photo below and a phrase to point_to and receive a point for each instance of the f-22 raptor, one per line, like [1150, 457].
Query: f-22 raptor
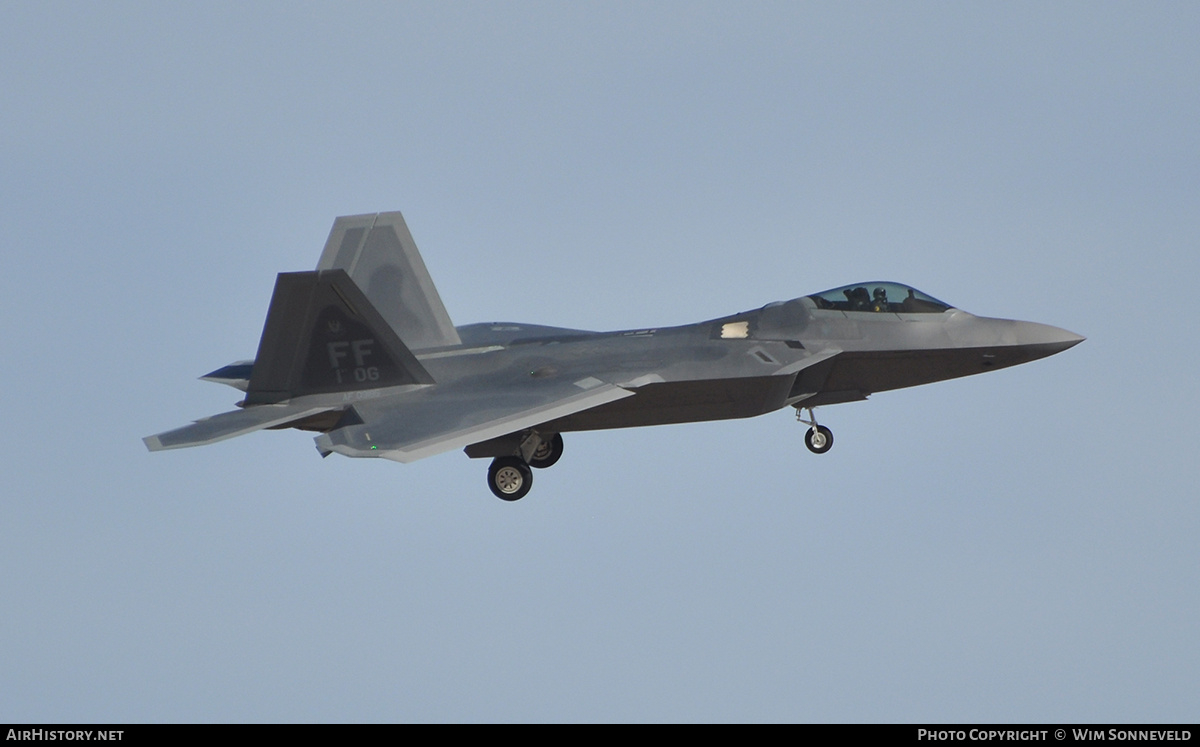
[362, 351]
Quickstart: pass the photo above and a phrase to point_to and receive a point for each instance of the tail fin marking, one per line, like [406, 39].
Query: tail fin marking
[323, 335]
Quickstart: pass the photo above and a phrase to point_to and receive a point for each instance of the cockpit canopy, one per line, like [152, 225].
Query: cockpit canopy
[893, 297]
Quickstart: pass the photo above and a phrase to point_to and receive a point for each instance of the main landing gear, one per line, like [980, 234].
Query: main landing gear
[818, 438]
[547, 452]
[510, 477]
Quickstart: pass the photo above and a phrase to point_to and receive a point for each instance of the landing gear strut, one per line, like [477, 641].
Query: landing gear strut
[818, 438]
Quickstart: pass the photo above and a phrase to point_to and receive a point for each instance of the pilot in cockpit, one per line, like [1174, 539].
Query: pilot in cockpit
[858, 299]
[881, 302]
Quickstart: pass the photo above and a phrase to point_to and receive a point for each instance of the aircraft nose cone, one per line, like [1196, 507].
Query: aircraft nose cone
[1007, 342]
[1049, 339]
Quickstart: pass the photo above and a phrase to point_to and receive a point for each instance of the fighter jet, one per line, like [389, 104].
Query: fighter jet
[362, 351]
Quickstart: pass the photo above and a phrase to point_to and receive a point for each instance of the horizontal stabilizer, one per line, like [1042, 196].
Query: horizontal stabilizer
[236, 375]
[230, 424]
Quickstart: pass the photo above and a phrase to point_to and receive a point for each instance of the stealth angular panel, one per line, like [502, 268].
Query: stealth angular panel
[379, 254]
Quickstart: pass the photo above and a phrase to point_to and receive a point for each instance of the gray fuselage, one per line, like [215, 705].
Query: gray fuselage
[730, 367]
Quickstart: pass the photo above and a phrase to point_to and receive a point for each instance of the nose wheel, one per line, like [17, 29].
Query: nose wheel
[817, 438]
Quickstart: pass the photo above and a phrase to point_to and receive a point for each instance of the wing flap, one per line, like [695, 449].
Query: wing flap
[229, 424]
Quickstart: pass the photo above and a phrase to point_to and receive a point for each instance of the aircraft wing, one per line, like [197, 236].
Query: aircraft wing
[229, 424]
[428, 422]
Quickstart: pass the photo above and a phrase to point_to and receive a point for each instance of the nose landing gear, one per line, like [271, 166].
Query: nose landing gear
[817, 438]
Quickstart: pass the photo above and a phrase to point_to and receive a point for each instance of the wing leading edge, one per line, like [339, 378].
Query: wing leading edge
[433, 421]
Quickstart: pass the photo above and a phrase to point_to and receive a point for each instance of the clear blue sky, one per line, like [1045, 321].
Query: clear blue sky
[1016, 546]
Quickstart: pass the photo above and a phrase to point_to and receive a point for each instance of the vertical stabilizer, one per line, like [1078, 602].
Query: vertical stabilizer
[322, 335]
[379, 254]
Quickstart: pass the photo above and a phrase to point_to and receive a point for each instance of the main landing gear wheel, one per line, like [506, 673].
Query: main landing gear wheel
[547, 452]
[818, 439]
[509, 478]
